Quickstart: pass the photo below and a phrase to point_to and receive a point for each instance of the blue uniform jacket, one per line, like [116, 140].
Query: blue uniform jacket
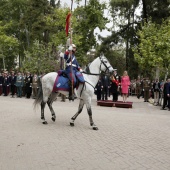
[75, 68]
[75, 65]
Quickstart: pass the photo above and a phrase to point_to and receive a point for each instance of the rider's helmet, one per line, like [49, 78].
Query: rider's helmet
[73, 45]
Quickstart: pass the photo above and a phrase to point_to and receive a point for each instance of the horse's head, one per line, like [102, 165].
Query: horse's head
[105, 65]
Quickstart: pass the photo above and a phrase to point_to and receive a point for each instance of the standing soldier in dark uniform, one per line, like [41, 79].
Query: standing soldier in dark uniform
[12, 80]
[1, 83]
[138, 88]
[5, 84]
[9, 86]
[146, 87]
[105, 84]
[142, 89]
[28, 85]
[165, 97]
[168, 93]
[23, 87]
[98, 90]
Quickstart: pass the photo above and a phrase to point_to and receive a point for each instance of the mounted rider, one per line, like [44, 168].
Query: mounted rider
[73, 69]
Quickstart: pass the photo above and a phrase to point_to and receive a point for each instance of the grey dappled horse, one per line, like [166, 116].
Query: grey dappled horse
[84, 92]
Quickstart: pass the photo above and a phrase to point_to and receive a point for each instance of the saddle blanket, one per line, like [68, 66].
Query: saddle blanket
[62, 83]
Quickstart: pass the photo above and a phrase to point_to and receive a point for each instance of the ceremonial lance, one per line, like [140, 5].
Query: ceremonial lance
[67, 28]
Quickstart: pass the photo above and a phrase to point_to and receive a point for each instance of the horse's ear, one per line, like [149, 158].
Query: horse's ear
[101, 55]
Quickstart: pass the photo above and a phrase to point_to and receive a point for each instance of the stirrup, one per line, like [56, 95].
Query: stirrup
[71, 97]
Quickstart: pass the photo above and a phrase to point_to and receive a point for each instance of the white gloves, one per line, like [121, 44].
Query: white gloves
[81, 70]
[70, 48]
[61, 55]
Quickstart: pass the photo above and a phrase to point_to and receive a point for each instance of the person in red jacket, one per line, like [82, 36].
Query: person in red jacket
[114, 88]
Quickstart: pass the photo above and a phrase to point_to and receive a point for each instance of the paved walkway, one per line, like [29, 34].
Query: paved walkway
[127, 139]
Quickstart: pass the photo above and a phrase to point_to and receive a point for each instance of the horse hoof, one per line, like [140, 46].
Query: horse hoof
[95, 128]
[71, 124]
[53, 119]
[45, 122]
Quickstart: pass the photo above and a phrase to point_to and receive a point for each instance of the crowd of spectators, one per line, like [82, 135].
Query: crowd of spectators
[19, 84]
[156, 92]
[147, 89]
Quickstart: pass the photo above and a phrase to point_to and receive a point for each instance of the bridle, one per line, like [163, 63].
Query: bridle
[107, 67]
[102, 62]
[89, 73]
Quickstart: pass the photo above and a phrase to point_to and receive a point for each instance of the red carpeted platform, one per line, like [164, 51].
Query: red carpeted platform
[110, 103]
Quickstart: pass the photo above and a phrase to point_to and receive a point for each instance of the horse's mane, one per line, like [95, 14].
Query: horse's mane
[87, 70]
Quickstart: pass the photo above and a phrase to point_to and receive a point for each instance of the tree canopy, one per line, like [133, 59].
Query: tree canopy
[33, 30]
[153, 50]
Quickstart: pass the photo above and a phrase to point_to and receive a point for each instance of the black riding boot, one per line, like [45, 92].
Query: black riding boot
[71, 96]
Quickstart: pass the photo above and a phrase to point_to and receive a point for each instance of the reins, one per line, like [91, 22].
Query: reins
[84, 85]
[91, 73]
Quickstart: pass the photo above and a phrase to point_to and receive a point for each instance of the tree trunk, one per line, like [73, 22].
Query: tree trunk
[157, 73]
[144, 11]
[127, 43]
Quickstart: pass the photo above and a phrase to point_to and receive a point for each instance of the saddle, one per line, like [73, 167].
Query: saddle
[62, 82]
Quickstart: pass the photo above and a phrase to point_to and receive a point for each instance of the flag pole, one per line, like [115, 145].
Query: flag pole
[71, 51]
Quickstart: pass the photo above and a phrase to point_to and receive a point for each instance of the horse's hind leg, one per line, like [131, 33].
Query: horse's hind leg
[89, 111]
[42, 113]
[81, 104]
[49, 102]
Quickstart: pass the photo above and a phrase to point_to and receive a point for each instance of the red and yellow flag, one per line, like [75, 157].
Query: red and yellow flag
[68, 23]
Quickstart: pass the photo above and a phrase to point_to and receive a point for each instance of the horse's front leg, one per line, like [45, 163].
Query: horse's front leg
[89, 111]
[81, 104]
[42, 113]
[51, 109]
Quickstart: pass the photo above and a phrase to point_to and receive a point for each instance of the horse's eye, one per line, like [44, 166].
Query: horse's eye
[105, 61]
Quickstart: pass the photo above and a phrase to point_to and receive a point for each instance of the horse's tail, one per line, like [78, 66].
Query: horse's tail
[39, 96]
